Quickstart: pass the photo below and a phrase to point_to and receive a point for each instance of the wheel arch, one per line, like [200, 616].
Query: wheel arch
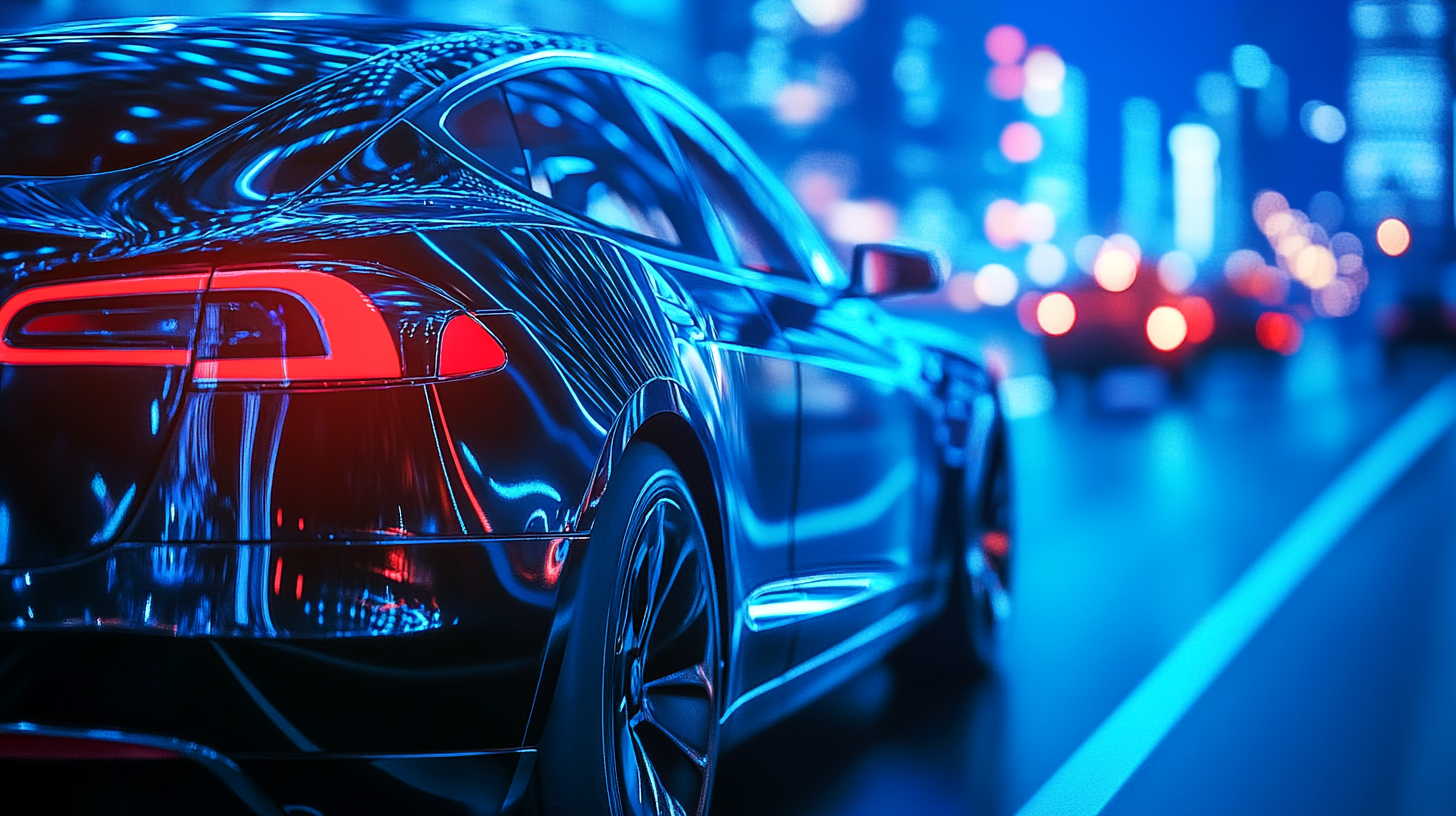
[663, 413]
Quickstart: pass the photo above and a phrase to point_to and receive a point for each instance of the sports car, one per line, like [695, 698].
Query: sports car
[404, 417]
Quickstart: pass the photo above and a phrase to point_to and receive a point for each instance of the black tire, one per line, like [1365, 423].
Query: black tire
[633, 726]
[964, 640]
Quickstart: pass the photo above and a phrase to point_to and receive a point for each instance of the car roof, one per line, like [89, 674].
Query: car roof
[366, 33]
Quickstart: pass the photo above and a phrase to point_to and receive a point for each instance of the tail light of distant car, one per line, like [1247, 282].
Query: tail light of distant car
[309, 324]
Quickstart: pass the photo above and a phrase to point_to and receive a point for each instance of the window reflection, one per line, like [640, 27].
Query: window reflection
[482, 125]
[587, 150]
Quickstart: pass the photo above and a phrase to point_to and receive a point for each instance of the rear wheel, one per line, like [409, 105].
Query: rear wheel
[633, 729]
[986, 576]
[965, 639]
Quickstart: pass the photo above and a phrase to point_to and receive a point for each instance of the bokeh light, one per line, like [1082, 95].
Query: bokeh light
[1038, 223]
[1279, 332]
[1006, 81]
[1046, 264]
[1056, 314]
[1266, 204]
[1177, 271]
[1003, 223]
[829, 15]
[1020, 142]
[1199, 314]
[799, 104]
[1314, 266]
[1251, 66]
[1393, 236]
[1115, 269]
[1323, 122]
[1167, 328]
[996, 285]
[1086, 250]
[1005, 44]
[960, 292]
[871, 221]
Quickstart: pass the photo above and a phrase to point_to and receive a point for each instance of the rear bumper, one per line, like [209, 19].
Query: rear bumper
[377, 649]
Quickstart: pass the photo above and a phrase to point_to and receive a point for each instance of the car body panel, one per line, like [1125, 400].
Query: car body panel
[387, 568]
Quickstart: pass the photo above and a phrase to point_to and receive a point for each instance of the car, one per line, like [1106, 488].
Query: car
[404, 416]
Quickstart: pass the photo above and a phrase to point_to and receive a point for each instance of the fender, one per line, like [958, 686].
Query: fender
[656, 397]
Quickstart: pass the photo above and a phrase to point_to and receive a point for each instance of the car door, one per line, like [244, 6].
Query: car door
[862, 482]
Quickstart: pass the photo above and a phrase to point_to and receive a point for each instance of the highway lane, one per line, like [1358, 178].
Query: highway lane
[1131, 527]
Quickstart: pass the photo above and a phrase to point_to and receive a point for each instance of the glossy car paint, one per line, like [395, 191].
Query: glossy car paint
[379, 572]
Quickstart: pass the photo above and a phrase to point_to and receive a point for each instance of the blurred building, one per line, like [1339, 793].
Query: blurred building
[1398, 161]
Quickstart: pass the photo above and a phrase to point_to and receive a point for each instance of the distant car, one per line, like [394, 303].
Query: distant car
[1142, 324]
[404, 417]
[1090, 330]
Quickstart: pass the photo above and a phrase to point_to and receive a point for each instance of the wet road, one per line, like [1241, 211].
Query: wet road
[1131, 528]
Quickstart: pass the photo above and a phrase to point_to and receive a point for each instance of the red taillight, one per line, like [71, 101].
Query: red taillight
[47, 747]
[257, 326]
[467, 347]
[356, 343]
[107, 322]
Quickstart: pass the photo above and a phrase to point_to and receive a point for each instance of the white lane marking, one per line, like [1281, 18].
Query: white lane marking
[1101, 765]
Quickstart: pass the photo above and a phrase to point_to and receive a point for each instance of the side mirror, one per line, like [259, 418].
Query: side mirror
[881, 270]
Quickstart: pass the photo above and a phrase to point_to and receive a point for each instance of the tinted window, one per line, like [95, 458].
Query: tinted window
[727, 185]
[587, 150]
[482, 125]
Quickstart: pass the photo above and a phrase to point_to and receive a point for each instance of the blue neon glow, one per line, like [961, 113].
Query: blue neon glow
[1101, 765]
[98, 487]
[48, 118]
[244, 184]
[156, 417]
[244, 76]
[470, 458]
[125, 137]
[34, 99]
[520, 490]
[144, 112]
[194, 57]
[218, 85]
[4, 533]
[113, 523]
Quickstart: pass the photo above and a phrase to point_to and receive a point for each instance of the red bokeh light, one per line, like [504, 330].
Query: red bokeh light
[1200, 318]
[1279, 332]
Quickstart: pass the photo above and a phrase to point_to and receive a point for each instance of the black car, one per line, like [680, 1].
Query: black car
[404, 417]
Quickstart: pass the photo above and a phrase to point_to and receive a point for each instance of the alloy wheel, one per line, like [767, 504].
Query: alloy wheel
[663, 662]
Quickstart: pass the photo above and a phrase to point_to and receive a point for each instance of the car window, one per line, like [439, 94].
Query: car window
[739, 203]
[586, 149]
[482, 124]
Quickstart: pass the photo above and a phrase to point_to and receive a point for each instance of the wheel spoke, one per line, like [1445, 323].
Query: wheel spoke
[691, 677]
[662, 801]
[698, 758]
[665, 591]
[628, 753]
[654, 541]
